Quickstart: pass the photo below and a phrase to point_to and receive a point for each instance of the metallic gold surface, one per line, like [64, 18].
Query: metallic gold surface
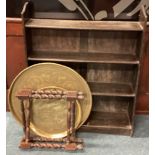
[50, 116]
[46, 122]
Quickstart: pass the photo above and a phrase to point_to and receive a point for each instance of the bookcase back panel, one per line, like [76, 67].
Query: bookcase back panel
[111, 73]
[111, 104]
[112, 42]
[47, 40]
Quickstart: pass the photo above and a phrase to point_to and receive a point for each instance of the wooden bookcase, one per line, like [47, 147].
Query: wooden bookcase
[106, 53]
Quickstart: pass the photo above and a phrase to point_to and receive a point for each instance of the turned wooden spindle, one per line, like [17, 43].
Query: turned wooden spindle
[72, 118]
[23, 116]
[27, 110]
[68, 122]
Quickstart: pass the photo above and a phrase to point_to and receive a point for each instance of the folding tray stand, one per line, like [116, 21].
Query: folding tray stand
[70, 142]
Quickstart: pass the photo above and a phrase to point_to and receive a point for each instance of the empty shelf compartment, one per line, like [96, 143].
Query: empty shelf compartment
[111, 89]
[112, 123]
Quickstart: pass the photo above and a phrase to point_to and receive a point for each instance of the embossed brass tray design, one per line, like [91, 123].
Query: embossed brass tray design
[50, 120]
[49, 116]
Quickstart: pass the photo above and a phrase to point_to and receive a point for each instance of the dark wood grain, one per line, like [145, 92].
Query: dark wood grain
[56, 40]
[106, 130]
[111, 89]
[143, 20]
[112, 73]
[114, 123]
[118, 42]
[87, 25]
[142, 106]
[83, 46]
[111, 104]
[109, 119]
[83, 57]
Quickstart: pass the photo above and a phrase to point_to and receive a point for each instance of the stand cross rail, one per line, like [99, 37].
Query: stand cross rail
[70, 142]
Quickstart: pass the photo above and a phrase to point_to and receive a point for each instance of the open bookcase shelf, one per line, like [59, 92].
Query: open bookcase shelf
[84, 57]
[104, 122]
[106, 53]
[84, 25]
[110, 114]
[111, 89]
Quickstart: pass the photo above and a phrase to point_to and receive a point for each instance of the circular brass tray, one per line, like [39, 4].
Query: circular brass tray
[44, 75]
[49, 116]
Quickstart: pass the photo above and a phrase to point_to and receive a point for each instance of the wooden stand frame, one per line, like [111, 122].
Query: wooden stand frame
[70, 143]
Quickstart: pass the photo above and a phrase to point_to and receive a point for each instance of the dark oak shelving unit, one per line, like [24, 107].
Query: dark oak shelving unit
[106, 53]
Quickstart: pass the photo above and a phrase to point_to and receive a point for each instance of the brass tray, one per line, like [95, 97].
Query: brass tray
[49, 117]
[44, 75]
